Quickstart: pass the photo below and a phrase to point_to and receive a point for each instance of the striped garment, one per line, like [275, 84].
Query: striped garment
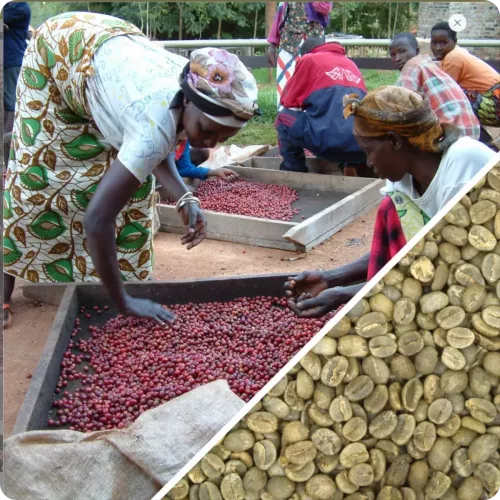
[284, 71]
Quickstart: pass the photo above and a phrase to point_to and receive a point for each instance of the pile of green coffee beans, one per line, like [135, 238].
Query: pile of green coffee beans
[401, 399]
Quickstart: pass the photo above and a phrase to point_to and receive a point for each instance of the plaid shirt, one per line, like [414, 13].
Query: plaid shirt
[421, 74]
[388, 237]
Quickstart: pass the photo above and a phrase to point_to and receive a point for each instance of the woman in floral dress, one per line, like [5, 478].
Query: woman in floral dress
[294, 22]
[99, 112]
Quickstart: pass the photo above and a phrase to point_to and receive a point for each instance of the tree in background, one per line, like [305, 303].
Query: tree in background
[215, 20]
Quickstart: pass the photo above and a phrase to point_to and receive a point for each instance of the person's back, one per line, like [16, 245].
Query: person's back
[421, 74]
[325, 69]
[321, 80]
[17, 17]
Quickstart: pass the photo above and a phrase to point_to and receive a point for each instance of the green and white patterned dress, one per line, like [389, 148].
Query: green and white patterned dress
[60, 150]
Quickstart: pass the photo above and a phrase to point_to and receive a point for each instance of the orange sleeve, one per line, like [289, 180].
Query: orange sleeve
[453, 65]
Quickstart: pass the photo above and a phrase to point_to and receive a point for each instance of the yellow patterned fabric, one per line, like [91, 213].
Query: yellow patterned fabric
[58, 158]
[412, 218]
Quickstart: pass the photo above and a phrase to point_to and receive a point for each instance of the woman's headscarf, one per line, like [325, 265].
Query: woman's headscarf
[397, 109]
[218, 83]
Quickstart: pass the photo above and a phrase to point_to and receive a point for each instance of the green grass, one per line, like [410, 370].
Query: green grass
[256, 133]
[376, 78]
[262, 74]
[261, 130]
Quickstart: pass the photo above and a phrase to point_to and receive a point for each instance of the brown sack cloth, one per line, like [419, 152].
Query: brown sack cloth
[126, 464]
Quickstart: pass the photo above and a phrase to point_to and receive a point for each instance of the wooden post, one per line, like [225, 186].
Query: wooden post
[270, 13]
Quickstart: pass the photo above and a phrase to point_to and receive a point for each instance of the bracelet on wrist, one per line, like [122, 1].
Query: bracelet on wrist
[186, 198]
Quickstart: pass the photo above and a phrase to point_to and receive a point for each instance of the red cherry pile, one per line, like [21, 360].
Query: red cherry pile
[242, 197]
[130, 365]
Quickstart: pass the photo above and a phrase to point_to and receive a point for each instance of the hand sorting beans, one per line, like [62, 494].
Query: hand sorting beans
[401, 399]
[241, 197]
[131, 365]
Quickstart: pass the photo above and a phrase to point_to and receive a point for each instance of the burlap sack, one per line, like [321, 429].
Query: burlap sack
[227, 156]
[128, 464]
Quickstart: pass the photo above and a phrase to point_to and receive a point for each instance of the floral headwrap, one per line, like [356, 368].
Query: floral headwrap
[397, 109]
[218, 83]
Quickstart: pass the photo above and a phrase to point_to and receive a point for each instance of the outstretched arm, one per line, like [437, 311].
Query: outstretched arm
[353, 272]
[172, 186]
[114, 191]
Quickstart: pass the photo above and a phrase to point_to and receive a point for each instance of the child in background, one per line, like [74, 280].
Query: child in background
[188, 160]
[479, 81]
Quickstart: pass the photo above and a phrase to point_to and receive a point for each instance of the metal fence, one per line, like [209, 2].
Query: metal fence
[364, 52]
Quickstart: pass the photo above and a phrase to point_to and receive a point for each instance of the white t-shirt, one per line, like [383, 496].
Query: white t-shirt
[464, 159]
[129, 98]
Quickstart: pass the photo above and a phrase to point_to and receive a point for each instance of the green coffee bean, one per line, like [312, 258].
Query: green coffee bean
[262, 422]
[232, 487]
[360, 388]
[300, 473]
[264, 454]
[353, 454]
[209, 491]
[326, 441]
[482, 447]
[424, 436]
[418, 475]
[321, 487]
[354, 429]
[180, 490]
[411, 394]
[398, 471]
[334, 371]
[481, 409]
[377, 400]
[402, 367]
[361, 474]
[441, 453]
[376, 369]
[254, 480]
[437, 486]
[383, 424]
[300, 453]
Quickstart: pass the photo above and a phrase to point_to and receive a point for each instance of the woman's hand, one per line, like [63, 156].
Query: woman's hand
[196, 225]
[307, 306]
[271, 55]
[224, 173]
[308, 282]
[145, 308]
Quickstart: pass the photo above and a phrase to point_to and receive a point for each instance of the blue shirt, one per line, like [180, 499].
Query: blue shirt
[187, 169]
[17, 16]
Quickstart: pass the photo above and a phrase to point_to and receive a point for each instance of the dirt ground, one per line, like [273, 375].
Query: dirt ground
[25, 340]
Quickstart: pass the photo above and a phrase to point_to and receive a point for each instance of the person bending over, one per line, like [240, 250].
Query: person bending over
[479, 81]
[311, 117]
[425, 164]
[421, 74]
[99, 113]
